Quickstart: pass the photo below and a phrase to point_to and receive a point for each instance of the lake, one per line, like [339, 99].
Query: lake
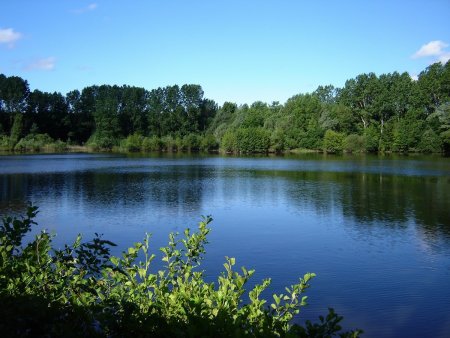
[375, 230]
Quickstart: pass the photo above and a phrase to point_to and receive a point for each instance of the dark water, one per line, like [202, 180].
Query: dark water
[375, 230]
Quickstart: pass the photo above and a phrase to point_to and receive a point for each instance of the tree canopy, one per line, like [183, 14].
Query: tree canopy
[387, 112]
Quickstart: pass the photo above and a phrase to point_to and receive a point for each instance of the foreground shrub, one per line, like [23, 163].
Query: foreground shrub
[82, 290]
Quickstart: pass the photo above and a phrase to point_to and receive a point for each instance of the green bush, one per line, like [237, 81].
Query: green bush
[17, 129]
[354, 144]
[445, 137]
[82, 290]
[39, 142]
[58, 145]
[229, 142]
[277, 140]
[5, 143]
[101, 141]
[253, 140]
[191, 142]
[33, 142]
[171, 143]
[430, 142]
[371, 138]
[333, 141]
[209, 143]
[132, 143]
[152, 144]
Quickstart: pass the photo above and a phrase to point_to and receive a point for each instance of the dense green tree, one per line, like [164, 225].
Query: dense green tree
[49, 111]
[358, 94]
[252, 140]
[326, 94]
[17, 129]
[224, 117]
[14, 92]
[333, 141]
[133, 110]
[178, 111]
[354, 143]
[392, 98]
[106, 113]
[80, 116]
[430, 142]
[256, 115]
[434, 85]
[299, 119]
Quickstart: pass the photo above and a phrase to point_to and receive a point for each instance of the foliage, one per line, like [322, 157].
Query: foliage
[277, 141]
[5, 143]
[390, 111]
[445, 137]
[354, 144]
[101, 141]
[38, 142]
[82, 289]
[229, 142]
[132, 143]
[333, 141]
[169, 143]
[407, 133]
[209, 143]
[191, 142]
[16, 129]
[430, 142]
[371, 138]
[151, 144]
[252, 140]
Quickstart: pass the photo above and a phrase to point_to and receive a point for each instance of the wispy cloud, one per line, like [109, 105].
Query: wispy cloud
[41, 64]
[435, 49]
[8, 36]
[444, 57]
[89, 8]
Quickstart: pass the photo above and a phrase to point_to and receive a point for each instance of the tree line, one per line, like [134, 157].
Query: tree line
[386, 113]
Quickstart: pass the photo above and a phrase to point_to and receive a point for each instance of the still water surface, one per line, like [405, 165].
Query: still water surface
[375, 230]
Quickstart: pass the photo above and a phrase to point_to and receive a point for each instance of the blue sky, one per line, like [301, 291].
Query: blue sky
[239, 51]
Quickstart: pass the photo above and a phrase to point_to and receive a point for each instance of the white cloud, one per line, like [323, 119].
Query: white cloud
[42, 64]
[444, 57]
[88, 8]
[434, 49]
[9, 36]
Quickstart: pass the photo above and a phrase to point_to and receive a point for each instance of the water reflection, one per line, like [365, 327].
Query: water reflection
[370, 200]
